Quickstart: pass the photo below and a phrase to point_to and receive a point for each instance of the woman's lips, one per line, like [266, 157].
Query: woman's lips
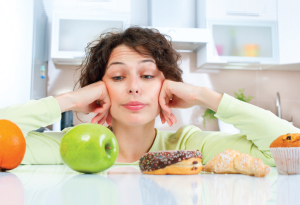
[134, 107]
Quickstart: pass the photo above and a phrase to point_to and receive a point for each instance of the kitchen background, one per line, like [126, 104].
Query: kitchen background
[209, 34]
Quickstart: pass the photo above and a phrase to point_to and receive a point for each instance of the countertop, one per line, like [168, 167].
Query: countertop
[58, 184]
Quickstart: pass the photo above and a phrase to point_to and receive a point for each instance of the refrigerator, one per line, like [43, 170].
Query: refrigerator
[23, 53]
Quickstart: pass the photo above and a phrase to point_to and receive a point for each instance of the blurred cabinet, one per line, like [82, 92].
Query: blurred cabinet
[178, 21]
[229, 34]
[244, 34]
[72, 32]
[289, 32]
[240, 44]
[242, 9]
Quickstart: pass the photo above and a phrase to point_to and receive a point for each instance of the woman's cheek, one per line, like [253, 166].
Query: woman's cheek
[113, 111]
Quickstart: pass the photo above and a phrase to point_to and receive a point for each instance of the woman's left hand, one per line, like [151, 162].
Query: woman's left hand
[176, 95]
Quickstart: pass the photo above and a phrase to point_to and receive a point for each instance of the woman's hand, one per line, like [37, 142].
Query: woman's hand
[91, 98]
[181, 95]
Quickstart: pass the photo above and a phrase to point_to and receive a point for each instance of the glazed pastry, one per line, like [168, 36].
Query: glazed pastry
[171, 162]
[286, 151]
[233, 162]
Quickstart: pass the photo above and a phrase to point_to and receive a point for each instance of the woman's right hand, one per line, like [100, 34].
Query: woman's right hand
[91, 98]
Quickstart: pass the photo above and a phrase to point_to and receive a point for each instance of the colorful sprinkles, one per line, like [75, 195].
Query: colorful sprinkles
[157, 160]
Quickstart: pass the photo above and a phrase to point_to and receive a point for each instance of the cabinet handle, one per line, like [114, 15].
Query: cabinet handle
[250, 62]
[238, 13]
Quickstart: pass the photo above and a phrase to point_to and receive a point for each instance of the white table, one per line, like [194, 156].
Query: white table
[58, 184]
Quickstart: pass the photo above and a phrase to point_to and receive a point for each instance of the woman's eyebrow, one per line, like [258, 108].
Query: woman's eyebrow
[121, 63]
[116, 63]
[146, 61]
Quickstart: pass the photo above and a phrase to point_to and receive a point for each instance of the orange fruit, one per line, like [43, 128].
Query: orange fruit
[12, 145]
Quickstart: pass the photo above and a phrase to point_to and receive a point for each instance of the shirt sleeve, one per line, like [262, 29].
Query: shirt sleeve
[33, 114]
[41, 148]
[259, 128]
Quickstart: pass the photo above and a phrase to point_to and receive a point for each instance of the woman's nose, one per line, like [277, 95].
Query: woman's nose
[130, 91]
[134, 87]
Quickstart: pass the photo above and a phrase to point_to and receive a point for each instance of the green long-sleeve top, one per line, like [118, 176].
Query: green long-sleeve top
[258, 128]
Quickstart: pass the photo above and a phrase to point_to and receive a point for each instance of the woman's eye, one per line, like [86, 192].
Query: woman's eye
[147, 76]
[117, 78]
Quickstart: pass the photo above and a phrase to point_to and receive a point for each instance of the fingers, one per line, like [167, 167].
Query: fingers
[162, 117]
[102, 116]
[99, 118]
[103, 107]
[96, 119]
[171, 119]
[108, 119]
[165, 98]
[165, 117]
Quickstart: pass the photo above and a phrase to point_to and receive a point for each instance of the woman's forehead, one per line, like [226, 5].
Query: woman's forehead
[125, 53]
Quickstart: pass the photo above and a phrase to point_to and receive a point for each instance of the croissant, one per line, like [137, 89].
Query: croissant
[233, 162]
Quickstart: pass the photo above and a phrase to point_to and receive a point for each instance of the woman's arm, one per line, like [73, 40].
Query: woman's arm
[261, 126]
[259, 129]
[43, 148]
[41, 113]
[208, 98]
[33, 114]
[182, 95]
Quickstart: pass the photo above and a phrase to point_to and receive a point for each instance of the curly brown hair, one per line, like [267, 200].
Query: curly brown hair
[145, 41]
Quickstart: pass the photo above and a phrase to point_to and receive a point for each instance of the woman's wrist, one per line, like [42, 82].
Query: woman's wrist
[65, 102]
[209, 98]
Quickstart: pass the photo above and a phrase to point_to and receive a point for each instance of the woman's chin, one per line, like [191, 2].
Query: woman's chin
[135, 121]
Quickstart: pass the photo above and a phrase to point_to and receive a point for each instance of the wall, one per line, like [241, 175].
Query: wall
[263, 85]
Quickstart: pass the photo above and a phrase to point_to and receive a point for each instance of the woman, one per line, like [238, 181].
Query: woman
[127, 79]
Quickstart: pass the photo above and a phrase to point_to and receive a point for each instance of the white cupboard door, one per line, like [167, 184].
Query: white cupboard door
[16, 22]
[242, 9]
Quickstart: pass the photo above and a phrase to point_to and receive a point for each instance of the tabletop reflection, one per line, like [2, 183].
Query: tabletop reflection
[171, 189]
[126, 185]
[89, 189]
[233, 189]
[288, 189]
[11, 189]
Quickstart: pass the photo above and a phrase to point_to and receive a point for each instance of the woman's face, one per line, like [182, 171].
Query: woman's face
[132, 79]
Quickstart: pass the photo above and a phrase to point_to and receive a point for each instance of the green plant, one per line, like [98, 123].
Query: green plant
[241, 96]
[210, 114]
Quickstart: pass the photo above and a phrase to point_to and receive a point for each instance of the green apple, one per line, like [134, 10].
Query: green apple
[89, 148]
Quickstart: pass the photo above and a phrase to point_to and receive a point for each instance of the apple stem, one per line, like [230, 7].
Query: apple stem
[107, 147]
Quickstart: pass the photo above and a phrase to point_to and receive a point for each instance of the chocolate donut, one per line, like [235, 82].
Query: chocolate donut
[171, 162]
